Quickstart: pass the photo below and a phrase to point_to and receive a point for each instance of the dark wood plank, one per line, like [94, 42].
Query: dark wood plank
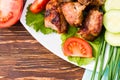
[23, 58]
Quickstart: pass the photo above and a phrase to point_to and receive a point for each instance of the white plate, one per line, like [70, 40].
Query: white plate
[52, 41]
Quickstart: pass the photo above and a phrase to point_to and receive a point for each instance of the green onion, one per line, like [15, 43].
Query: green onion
[116, 64]
[99, 52]
[112, 62]
[109, 58]
[102, 61]
[111, 66]
[110, 71]
[118, 76]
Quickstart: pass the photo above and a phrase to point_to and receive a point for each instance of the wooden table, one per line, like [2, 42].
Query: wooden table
[23, 58]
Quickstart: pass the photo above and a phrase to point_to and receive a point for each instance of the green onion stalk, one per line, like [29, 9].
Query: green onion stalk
[97, 58]
[102, 61]
[111, 49]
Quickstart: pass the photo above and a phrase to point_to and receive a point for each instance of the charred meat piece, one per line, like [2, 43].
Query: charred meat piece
[73, 12]
[92, 25]
[92, 2]
[54, 18]
[85, 2]
[65, 0]
[97, 2]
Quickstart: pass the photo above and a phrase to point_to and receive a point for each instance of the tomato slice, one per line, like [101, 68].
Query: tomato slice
[10, 12]
[38, 5]
[77, 47]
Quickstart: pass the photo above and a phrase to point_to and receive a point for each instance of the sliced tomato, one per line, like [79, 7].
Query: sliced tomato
[10, 12]
[77, 47]
[38, 5]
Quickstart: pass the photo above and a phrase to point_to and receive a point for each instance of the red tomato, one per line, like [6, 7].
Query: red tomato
[38, 5]
[77, 47]
[10, 11]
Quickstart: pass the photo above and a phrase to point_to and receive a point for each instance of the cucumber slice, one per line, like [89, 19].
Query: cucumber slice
[111, 21]
[112, 38]
[112, 4]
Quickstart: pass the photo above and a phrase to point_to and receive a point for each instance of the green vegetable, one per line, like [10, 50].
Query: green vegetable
[116, 62]
[112, 38]
[102, 61]
[112, 4]
[71, 32]
[95, 46]
[111, 21]
[80, 61]
[118, 76]
[97, 58]
[83, 61]
[111, 66]
[111, 49]
[37, 22]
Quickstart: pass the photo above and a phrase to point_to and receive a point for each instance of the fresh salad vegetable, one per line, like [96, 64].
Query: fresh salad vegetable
[112, 4]
[38, 5]
[94, 44]
[100, 52]
[111, 21]
[80, 60]
[37, 22]
[75, 46]
[112, 38]
[10, 12]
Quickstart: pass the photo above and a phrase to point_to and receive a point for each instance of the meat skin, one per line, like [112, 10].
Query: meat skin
[73, 12]
[54, 18]
[92, 2]
[92, 25]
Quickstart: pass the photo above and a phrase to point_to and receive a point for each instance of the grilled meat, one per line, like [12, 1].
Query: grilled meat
[92, 2]
[54, 18]
[97, 2]
[73, 12]
[92, 25]
[85, 2]
[65, 0]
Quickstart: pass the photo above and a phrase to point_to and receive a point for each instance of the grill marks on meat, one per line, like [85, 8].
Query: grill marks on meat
[59, 11]
[92, 25]
[73, 12]
[54, 18]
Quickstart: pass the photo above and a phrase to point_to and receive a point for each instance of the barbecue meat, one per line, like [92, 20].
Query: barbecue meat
[97, 2]
[73, 12]
[92, 25]
[85, 2]
[92, 2]
[65, 0]
[54, 18]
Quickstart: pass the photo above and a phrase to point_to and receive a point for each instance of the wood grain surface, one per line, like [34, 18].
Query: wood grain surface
[23, 58]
